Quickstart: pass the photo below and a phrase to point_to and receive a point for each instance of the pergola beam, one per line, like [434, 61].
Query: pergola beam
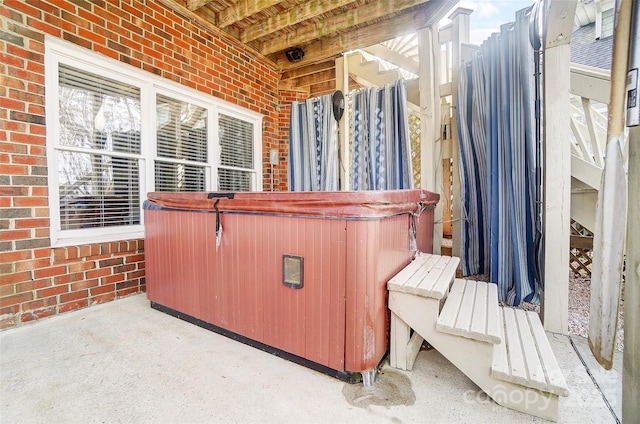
[196, 4]
[293, 16]
[241, 10]
[336, 24]
[333, 46]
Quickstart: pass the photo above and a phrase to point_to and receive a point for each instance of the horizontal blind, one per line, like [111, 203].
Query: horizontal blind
[98, 189]
[181, 130]
[179, 177]
[234, 180]
[236, 142]
[97, 112]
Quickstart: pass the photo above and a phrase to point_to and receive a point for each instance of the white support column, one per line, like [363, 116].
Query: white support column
[557, 165]
[430, 143]
[631, 359]
[459, 34]
[342, 84]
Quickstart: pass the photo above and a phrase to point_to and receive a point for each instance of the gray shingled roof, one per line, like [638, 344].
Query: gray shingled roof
[586, 50]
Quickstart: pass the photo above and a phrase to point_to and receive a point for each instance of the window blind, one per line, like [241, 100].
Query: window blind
[100, 188]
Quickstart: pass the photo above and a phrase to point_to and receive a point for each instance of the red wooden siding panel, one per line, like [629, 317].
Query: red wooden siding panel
[376, 251]
[239, 286]
[338, 319]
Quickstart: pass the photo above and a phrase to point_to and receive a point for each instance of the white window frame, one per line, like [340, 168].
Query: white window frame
[58, 51]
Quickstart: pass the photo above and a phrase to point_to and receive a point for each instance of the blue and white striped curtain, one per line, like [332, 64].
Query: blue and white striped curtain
[380, 148]
[497, 162]
[312, 146]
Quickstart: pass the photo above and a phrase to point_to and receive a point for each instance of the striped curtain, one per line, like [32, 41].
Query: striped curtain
[497, 162]
[380, 147]
[312, 146]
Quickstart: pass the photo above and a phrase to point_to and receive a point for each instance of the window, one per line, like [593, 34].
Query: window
[99, 151]
[181, 140]
[115, 133]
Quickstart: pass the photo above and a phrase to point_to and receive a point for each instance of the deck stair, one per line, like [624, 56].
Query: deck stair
[505, 351]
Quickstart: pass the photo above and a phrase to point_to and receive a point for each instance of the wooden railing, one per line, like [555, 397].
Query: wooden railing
[589, 97]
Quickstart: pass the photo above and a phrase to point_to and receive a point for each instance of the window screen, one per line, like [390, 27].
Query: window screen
[98, 157]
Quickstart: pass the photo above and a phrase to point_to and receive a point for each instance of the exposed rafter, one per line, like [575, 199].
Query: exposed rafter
[316, 78]
[334, 24]
[332, 46]
[307, 70]
[242, 9]
[290, 17]
[196, 4]
[324, 29]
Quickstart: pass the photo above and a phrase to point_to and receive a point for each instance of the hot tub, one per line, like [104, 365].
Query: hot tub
[300, 275]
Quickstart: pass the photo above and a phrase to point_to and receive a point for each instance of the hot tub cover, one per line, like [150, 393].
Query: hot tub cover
[349, 204]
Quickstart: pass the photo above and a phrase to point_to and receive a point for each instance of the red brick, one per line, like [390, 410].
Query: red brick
[30, 201]
[33, 285]
[15, 299]
[7, 290]
[103, 289]
[9, 321]
[50, 272]
[31, 223]
[136, 274]
[86, 284]
[81, 266]
[17, 277]
[134, 258]
[52, 291]
[68, 278]
[107, 297]
[15, 234]
[72, 306]
[111, 279]
[40, 303]
[32, 264]
[13, 256]
[15, 169]
[127, 292]
[68, 297]
[42, 253]
[97, 273]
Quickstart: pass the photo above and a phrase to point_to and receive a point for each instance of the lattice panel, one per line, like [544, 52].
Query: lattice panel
[580, 259]
[414, 136]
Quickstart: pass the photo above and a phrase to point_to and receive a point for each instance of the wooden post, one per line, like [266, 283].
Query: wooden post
[631, 354]
[430, 145]
[342, 84]
[557, 165]
[459, 34]
[631, 358]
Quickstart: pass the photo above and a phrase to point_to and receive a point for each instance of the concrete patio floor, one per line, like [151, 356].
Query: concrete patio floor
[125, 362]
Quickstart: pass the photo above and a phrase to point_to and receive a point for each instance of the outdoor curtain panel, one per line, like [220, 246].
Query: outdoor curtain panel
[496, 130]
[312, 146]
[380, 145]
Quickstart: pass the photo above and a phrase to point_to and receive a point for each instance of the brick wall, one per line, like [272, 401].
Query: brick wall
[37, 280]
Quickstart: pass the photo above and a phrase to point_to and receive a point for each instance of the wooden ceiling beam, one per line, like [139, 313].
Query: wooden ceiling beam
[332, 46]
[241, 10]
[324, 27]
[316, 78]
[300, 13]
[321, 89]
[196, 4]
[307, 70]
